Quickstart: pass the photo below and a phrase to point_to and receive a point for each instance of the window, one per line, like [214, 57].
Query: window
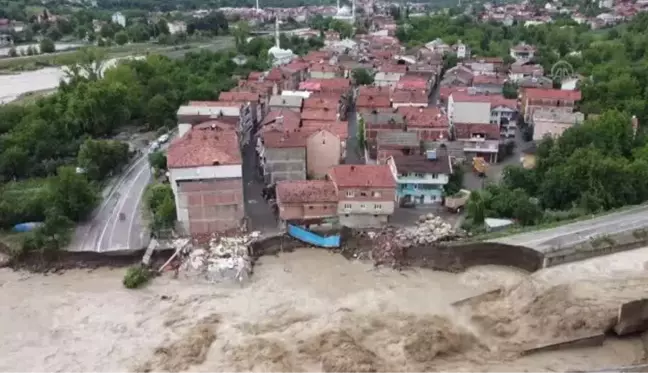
[347, 206]
[363, 206]
[363, 194]
[435, 176]
[376, 194]
[310, 207]
[349, 193]
[378, 207]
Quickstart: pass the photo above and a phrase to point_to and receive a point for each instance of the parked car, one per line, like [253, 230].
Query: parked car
[162, 139]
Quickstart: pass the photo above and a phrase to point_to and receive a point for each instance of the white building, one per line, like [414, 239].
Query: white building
[119, 19]
[279, 56]
[344, 13]
[462, 50]
[178, 27]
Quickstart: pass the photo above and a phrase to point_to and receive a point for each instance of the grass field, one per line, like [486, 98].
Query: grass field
[29, 63]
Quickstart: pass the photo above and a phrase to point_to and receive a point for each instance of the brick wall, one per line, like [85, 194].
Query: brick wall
[214, 205]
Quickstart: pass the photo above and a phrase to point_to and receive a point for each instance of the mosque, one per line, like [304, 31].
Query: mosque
[279, 56]
[344, 13]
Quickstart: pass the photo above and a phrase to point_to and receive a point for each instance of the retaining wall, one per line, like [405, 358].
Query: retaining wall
[459, 256]
[597, 246]
[451, 257]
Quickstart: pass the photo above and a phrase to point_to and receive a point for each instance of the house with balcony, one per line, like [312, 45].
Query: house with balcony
[520, 71]
[421, 178]
[366, 194]
[306, 202]
[523, 52]
[478, 140]
[206, 176]
[542, 98]
[485, 65]
[552, 122]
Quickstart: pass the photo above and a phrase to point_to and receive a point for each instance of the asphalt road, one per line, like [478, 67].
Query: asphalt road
[105, 232]
[582, 231]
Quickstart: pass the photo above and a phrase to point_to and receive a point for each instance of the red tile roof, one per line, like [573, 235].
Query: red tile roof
[445, 92]
[305, 191]
[324, 68]
[424, 117]
[275, 75]
[393, 68]
[488, 79]
[414, 97]
[214, 103]
[296, 66]
[370, 90]
[205, 146]
[320, 114]
[234, 96]
[494, 100]
[255, 75]
[412, 82]
[339, 84]
[321, 103]
[282, 119]
[362, 176]
[466, 130]
[371, 102]
[338, 128]
[284, 139]
[551, 94]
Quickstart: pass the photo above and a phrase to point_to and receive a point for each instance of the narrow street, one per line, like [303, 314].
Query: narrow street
[257, 210]
[354, 154]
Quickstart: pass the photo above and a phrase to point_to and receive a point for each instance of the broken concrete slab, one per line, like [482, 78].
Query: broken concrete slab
[633, 317]
[591, 340]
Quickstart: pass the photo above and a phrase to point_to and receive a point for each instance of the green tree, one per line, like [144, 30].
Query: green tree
[47, 46]
[71, 194]
[100, 158]
[158, 160]
[362, 77]
[510, 90]
[476, 208]
[455, 182]
[12, 52]
[121, 38]
[361, 133]
[158, 111]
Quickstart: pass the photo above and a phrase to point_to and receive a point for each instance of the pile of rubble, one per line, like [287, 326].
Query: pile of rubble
[389, 246]
[429, 229]
[224, 258]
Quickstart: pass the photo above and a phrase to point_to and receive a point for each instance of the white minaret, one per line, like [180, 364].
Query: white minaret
[277, 31]
[257, 6]
[353, 9]
[338, 8]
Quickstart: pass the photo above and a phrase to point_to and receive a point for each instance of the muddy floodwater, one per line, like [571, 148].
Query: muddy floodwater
[315, 311]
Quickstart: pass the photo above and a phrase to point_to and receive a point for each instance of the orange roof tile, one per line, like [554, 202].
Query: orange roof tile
[205, 146]
[305, 191]
[372, 176]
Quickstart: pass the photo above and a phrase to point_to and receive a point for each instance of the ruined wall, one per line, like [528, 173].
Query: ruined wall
[459, 256]
[444, 256]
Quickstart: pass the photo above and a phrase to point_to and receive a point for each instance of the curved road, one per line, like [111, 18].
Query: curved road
[105, 232]
[574, 233]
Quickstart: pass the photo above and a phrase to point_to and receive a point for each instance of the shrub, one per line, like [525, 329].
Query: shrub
[136, 276]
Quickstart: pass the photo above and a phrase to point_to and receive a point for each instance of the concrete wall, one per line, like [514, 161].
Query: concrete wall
[363, 221]
[597, 246]
[323, 150]
[459, 256]
[210, 206]
[285, 164]
[307, 211]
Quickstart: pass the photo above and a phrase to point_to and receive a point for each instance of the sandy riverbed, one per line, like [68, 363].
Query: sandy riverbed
[312, 311]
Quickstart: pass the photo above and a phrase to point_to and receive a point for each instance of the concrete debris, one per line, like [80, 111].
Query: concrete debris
[224, 258]
[390, 244]
[429, 229]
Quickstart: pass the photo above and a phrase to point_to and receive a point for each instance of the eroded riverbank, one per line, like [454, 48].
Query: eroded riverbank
[307, 310]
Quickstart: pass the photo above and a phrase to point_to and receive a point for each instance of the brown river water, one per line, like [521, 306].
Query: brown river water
[314, 311]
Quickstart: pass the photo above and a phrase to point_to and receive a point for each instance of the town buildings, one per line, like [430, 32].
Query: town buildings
[366, 194]
[421, 178]
[205, 173]
[540, 98]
